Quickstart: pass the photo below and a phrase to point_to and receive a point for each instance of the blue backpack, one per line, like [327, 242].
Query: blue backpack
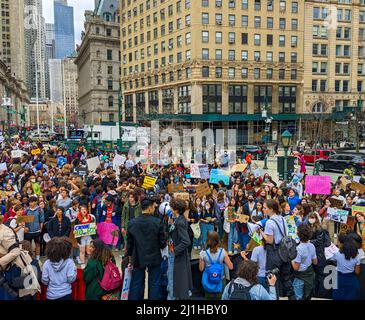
[213, 275]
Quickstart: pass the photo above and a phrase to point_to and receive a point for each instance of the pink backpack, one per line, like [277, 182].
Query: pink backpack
[111, 279]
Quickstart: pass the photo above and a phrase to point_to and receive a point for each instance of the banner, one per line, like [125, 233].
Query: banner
[239, 168]
[357, 209]
[337, 215]
[182, 195]
[126, 284]
[149, 182]
[217, 175]
[203, 189]
[34, 152]
[82, 230]
[357, 186]
[173, 187]
[93, 163]
[318, 185]
[106, 233]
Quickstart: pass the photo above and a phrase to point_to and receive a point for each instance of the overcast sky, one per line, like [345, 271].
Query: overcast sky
[79, 9]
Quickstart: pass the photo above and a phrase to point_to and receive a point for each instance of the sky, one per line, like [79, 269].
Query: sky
[79, 9]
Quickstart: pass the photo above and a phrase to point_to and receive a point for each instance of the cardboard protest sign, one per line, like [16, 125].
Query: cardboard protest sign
[105, 232]
[3, 167]
[239, 167]
[337, 215]
[344, 182]
[336, 203]
[93, 163]
[182, 195]
[149, 182]
[357, 186]
[318, 185]
[202, 190]
[357, 209]
[25, 219]
[35, 152]
[217, 175]
[51, 162]
[242, 218]
[82, 230]
[173, 187]
[126, 284]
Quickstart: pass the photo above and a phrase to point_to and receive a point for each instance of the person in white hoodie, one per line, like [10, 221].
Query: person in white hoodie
[59, 271]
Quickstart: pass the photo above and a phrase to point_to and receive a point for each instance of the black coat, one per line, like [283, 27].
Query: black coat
[183, 281]
[146, 236]
[321, 240]
[53, 227]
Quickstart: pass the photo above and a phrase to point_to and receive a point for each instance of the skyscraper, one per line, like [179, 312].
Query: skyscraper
[64, 29]
[50, 53]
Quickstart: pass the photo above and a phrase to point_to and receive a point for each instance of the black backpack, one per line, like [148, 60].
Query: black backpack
[287, 247]
[240, 292]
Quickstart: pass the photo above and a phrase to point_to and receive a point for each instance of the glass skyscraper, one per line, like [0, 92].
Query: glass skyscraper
[64, 29]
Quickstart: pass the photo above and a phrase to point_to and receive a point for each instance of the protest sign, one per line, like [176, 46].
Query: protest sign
[149, 182]
[200, 171]
[3, 167]
[318, 184]
[194, 171]
[17, 153]
[118, 161]
[81, 171]
[330, 251]
[25, 219]
[357, 186]
[51, 162]
[2, 194]
[182, 195]
[257, 173]
[336, 203]
[35, 152]
[292, 228]
[202, 189]
[126, 284]
[344, 182]
[337, 215]
[239, 167]
[232, 216]
[106, 233]
[242, 218]
[358, 209]
[217, 175]
[93, 163]
[173, 187]
[81, 230]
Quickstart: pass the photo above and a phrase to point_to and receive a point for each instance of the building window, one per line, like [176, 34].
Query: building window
[110, 101]
[140, 105]
[262, 98]
[205, 18]
[212, 98]
[184, 100]
[153, 102]
[237, 99]
[218, 37]
[205, 72]
[231, 73]
[205, 54]
[256, 72]
[218, 54]
[205, 36]
[109, 54]
[218, 72]
[128, 107]
[287, 99]
[244, 73]
[110, 84]
[167, 101]
[319, 107]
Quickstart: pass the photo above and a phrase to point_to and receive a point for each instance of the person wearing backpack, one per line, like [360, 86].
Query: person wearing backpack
[304, 276]
[246, 286]
[211, 263]
[280, 248]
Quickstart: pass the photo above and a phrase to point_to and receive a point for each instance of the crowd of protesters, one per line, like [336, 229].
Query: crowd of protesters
[161, 233]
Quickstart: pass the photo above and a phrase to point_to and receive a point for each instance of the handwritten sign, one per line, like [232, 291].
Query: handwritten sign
[344, 182]
[93, 163]
[173, 187]
[318, 185]
[336, 203]
[80, 171]
[35, 152]
[231, 214]
[337, 215]
[17, 153]
[200, 171]
[242, 218]
[357, 186]
[330, 251]
[202, 190]
[358, 209]
[82, 230]
[149, 182]
[217, 175]
[182, 195]
[25, 219]
[126, 284]
[239, 167]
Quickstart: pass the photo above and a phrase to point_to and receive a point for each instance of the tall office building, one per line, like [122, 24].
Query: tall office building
[55, 75]
[70, 91]
[214, 64]
[35, 49]
[64, 29]
[50, 53]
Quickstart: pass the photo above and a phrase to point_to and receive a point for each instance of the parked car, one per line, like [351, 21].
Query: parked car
[340, 162]
[257, 152]
[310, 156]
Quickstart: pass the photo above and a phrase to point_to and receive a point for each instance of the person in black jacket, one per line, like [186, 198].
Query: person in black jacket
[59, 225]
[146, 237]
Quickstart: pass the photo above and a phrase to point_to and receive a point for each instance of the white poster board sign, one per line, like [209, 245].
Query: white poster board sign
[129, 134]
[93, 163]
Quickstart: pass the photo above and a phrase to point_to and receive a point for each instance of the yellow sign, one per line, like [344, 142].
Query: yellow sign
[34, 152]
[149, 182]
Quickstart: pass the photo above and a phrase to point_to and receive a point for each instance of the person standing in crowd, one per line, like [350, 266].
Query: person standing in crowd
[145, 238]
[130, 211]
[293, 199]
[59, 225]
[182, 277]
[275, 230]
[59, 271]
[230, 215]
[207, 220]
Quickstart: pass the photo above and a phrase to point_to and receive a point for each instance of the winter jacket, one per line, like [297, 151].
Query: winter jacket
[54, 230]
[59, 276]
[93, 272]
[125, 213]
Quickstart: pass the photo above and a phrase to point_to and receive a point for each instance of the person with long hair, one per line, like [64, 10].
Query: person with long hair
[230, 214]
[214, 252]
[359, 226]
[100, 254]
[207, 220]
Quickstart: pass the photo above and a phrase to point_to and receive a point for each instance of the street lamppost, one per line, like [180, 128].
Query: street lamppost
[92, 136]
[286, 141]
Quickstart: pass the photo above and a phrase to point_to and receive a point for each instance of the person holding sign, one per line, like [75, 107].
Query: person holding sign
[359, 226]
[207, 220]
[230, 217]
[59, 225]
[83, 218]
[19, 228]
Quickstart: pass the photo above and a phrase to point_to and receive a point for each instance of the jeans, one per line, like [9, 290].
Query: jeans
[298, 286]
[197, 242]
[205, 228]
[243, 239]
[232, 236]
[138, 280]
[170, 276]
[220, 228]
